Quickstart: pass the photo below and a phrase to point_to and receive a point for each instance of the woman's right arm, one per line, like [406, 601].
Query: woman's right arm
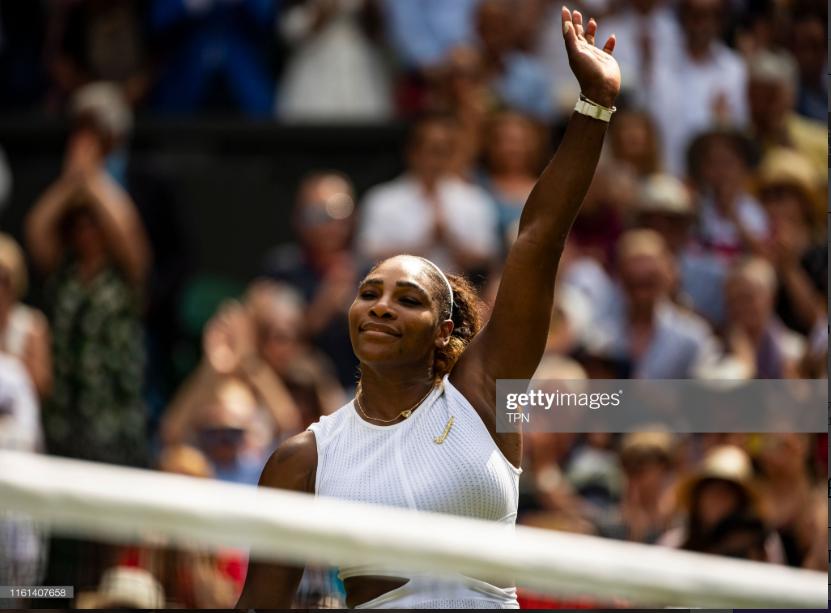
[293, 466]
[42, 230]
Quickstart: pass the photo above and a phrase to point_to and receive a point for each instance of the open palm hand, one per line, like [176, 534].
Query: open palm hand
[596, 70]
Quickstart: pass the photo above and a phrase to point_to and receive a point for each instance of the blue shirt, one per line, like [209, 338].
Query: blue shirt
[423, 31]
[524, 86]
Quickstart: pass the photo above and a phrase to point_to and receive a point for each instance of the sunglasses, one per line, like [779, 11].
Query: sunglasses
[215, 437]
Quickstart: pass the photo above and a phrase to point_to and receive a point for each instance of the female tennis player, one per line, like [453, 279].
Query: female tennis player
[421, 431]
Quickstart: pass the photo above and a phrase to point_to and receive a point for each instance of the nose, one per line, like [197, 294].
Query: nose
[381, 308]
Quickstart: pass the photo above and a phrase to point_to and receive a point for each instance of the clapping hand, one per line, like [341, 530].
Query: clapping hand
[596, 70]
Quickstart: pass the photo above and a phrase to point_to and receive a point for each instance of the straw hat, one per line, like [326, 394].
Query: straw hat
[638, 444]
[12, 258]
[663, 193]
[725, 463]
[124, 587]
[788, 168]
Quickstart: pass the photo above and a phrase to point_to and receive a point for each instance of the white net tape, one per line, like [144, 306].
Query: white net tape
[128, 505]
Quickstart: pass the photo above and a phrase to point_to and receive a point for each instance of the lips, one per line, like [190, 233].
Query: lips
[378, 330]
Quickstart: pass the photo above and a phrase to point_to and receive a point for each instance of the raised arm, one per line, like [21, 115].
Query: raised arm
[512, 343]
[121, 225]
[293, 466]
[42, 227]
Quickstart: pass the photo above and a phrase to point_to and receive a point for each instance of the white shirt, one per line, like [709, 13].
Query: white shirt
[398, 218]
[20, 427]
[721, 233]
[665, 40]
[686, 93]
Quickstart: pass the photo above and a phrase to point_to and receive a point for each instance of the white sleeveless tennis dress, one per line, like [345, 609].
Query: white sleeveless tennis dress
[401, 466]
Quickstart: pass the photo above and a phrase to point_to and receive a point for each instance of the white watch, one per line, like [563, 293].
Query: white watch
[595, 111]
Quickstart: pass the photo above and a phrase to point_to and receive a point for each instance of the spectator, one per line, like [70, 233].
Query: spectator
[461, 89]
[750, 293]
[99, 41]
[642, 515]
[649, 39]
[194, 577]
[659, 339]
[22, 546]
[335, 72]
[513, 157]
[124, 587]
[517, 78]
[231, 349]
[322, 265]
[791, 194]
[223, 429]
[773, 89]
[85, 234]
[705, 85]
[422, 33]
[787, 496]
[24, 331]
[634, 140]
[600, 223]
[307, 373]
[103, 109]
[429, 212]
[731, 221]
[721, 486]
[665, 206]
[213, 45]
[809, 45]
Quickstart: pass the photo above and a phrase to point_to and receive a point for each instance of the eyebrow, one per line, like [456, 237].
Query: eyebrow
[413, 284]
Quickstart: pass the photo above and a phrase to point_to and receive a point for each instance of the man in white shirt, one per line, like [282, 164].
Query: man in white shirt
[429, 211]
[648, 36]
[705, 84]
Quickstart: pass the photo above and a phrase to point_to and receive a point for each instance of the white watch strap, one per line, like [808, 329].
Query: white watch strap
[594, 111]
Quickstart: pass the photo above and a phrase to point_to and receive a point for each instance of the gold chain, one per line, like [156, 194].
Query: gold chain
[404, 414]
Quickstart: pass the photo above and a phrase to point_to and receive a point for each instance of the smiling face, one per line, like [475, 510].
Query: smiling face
[395, 318]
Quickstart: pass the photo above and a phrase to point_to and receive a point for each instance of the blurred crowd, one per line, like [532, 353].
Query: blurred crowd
[700, 252]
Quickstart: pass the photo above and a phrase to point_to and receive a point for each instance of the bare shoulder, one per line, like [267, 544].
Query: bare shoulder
[293, 465]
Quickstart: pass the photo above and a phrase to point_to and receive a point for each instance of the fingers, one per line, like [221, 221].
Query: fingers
[591, 29]
[577, 18]
[569, 31]
[609, 47]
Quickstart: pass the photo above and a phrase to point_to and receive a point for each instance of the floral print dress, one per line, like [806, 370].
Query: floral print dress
[96, 411]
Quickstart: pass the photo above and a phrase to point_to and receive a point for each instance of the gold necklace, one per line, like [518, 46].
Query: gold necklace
[404, 414]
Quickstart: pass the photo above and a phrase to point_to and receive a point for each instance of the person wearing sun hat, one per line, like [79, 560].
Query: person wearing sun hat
[666, 205]
[722, 485]
[642, 514]
[792, 193]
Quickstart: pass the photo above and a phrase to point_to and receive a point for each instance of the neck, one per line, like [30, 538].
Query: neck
[91, 265]
[5, 309]
[646, 499]
[642, 317]
[384, 394]
[699, 53]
